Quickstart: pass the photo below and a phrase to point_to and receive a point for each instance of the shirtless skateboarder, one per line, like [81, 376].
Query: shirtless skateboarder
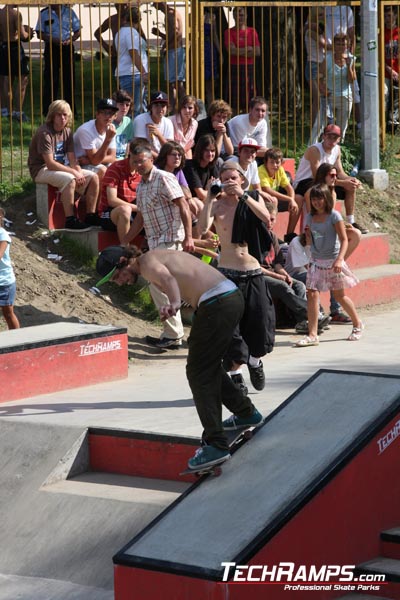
[218, 307]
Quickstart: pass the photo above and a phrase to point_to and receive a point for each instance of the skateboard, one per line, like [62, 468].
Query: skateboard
[236, 437]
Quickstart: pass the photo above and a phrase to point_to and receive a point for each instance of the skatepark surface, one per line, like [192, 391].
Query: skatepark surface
[58, 542]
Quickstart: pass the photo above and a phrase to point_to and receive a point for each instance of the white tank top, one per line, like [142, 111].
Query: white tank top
[304, 169]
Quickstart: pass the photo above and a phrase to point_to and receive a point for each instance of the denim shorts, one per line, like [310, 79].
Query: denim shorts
[7, 294]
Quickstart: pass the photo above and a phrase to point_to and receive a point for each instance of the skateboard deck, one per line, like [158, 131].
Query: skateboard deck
[235, 437]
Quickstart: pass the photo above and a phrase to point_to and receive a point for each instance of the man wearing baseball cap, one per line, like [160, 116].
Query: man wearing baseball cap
[154, 124]
[327, 151]
[247, 150]
[95, 144]
[219, 306]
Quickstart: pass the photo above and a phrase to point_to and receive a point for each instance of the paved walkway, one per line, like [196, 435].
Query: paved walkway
[156, 398]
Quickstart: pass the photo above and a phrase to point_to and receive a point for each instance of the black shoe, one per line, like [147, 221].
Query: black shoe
[164, 342]
[93, 220]
[74, 224]
[288, 237]
[239, 382]
[363, 230]
[257, 376]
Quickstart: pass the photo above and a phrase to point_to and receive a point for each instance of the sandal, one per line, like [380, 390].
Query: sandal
[356, 333]
[307, 341]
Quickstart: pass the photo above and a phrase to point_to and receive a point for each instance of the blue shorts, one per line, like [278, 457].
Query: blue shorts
[176, 65]
[7, 294]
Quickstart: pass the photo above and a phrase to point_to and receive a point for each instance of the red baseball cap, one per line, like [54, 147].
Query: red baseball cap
[335, 129]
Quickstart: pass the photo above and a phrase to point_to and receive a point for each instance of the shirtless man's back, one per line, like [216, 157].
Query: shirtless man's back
[219, 306]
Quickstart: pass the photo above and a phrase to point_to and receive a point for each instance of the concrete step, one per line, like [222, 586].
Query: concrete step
[52, 357]
[381, 565]
[373, 250]
[378, 285]
[140, 454]
[390, 543]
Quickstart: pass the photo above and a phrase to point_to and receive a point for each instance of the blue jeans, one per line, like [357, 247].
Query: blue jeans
[132, 85]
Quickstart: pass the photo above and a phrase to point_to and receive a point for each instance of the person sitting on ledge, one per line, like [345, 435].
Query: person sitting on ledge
[52, 160]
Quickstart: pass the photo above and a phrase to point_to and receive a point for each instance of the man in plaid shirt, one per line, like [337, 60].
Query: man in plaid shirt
[165, 215]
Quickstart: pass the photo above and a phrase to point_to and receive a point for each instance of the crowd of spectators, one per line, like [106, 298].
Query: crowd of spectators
[212, 185]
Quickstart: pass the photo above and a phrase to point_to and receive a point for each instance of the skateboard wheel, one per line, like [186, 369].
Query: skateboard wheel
[248, 435]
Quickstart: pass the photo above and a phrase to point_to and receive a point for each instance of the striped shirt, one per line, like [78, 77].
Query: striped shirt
[155, 200]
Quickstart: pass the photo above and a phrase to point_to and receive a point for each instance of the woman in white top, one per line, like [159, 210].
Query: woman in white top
[338, 75]
[132, 66]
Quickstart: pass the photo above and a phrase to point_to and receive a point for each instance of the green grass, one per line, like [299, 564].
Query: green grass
[93, 81]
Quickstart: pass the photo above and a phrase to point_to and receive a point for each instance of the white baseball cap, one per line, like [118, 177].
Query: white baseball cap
[250, 142]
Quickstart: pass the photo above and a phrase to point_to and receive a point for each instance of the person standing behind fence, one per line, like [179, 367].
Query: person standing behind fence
[242, 45]
[132, 70]
[7, 277]
[112, 23]
[58, 26]
[174, 52]
[337, 77]
[13, 62]
[391, 67]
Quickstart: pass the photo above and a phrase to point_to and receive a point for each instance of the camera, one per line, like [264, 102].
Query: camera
[217, 187]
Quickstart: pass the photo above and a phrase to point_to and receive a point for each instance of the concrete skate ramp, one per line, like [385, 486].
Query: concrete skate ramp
[303, 444]
[55, 533]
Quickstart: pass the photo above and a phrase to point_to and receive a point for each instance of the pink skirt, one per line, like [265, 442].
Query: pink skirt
[321, 277]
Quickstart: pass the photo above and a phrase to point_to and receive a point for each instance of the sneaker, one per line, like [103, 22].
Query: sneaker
[164, 342]
[360, 228]
[73, 224]
[235, 422]
[4, 112]
[239, 382]
[323, 323]
[288, 237]
[257, 376]
[340, 318]
[206, 456]
[93, 220]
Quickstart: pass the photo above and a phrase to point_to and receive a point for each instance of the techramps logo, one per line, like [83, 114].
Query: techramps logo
[303, 577]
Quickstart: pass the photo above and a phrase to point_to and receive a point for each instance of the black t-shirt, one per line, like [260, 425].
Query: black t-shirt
[197, 176]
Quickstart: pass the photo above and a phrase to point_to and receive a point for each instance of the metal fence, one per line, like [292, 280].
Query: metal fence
[187, 47]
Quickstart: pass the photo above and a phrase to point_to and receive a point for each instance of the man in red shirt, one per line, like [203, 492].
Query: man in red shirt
[391, 66]
[242, 45]
[117, 207]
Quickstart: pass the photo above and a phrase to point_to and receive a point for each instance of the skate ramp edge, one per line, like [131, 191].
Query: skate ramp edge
[302, 447]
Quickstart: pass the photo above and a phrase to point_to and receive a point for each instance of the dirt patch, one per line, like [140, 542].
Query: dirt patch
[49, 292]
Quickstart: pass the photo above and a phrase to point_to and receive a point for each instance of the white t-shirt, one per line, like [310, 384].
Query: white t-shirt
[251, 172]
[86, 137]
[240, 128]
[297, 257]
[128, 39]
[338, 19]
[140, 130]
[304, 170]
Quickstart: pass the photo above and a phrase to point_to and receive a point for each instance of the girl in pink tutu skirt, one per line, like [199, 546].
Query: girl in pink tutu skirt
[325, 233]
